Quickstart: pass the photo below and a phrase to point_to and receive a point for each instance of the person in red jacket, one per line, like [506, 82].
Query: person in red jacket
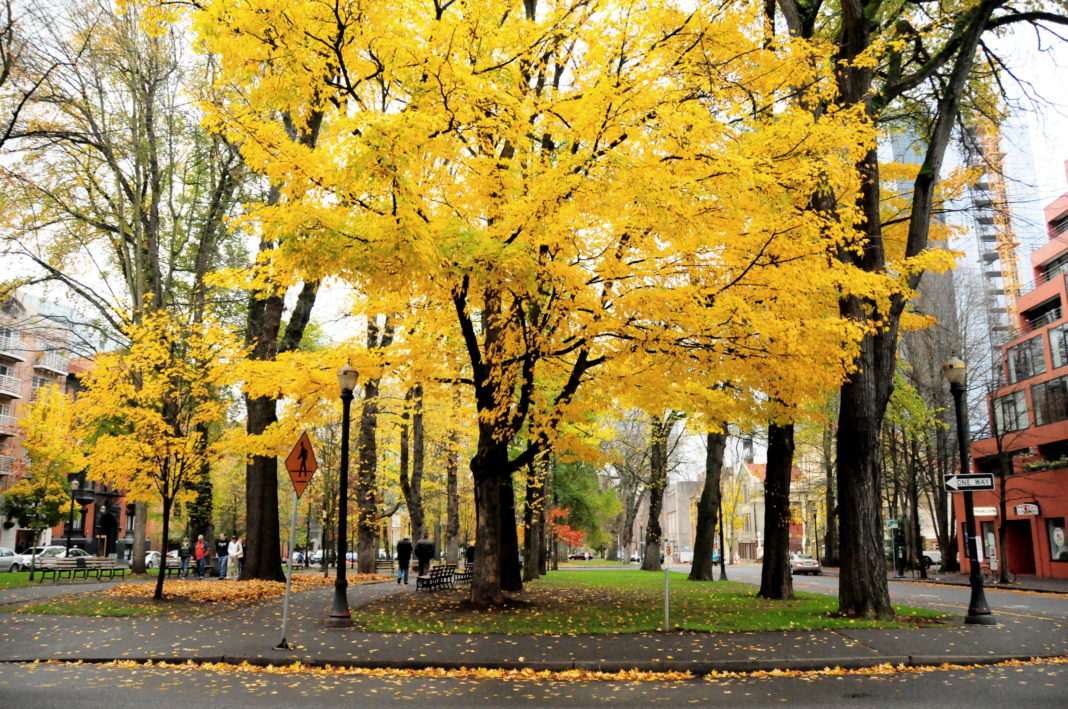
[200, 553]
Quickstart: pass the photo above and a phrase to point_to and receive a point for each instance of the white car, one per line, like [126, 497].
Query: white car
[152, 558]
[932, 557]
[804, 564]
[22, 562]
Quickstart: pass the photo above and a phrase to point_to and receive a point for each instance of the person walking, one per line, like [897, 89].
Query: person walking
[221, 551]
[424, 552]
[404, 557]
[201, 552]
[185, 552]
[234, 550]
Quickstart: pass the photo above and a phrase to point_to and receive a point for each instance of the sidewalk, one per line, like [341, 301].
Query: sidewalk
[1023, 583]
[250, 634]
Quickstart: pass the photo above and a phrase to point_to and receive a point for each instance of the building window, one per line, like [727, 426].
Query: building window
[1058, 345]
[1058, 545]
[1010, 412]
[1050, 400]
[1025, 360]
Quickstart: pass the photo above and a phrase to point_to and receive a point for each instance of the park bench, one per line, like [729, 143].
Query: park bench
[103, 565]
[58, 568]
[172, 566]
[384, 566]
[462, 576]
[439, 577]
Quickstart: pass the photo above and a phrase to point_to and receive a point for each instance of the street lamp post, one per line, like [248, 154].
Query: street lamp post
[815, 537]
[70, 520]
[339, 614]
[978, 609]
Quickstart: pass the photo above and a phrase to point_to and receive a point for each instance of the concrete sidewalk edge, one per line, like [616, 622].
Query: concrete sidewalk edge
[697, 668]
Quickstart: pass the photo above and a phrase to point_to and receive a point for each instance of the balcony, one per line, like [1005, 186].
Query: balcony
[10, 387]
[52, 361]
[12, 348]
[9, 426]
[1050, 316]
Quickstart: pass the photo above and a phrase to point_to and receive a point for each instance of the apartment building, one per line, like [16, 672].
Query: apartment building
[35, 353]
[1029, 421]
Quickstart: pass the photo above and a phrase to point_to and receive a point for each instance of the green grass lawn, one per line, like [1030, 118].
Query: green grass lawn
[623, 601]
[17, 580]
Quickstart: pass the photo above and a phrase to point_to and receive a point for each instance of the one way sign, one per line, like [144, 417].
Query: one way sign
[976, 481]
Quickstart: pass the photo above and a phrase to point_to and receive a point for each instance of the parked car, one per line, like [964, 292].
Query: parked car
[583, 555]
[23, 561]
[152, 558]
[635, 558]
[932, 557]
[804, 564]
[7, 558]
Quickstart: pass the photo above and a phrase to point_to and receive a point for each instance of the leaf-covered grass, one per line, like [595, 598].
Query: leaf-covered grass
[107, 607]
[625, 601]
[180, 597]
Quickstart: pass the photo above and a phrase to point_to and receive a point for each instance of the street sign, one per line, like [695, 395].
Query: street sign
[975, 481]
[301, 464]
[891, 524]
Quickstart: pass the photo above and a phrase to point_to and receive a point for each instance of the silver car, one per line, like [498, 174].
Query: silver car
[7, 559]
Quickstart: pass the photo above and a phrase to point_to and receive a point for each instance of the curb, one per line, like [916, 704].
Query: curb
[697, 668]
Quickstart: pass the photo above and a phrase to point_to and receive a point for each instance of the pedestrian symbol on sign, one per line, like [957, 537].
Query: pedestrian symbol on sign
[301, 464]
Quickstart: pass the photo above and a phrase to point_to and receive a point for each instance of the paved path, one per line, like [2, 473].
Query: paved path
[250, 634]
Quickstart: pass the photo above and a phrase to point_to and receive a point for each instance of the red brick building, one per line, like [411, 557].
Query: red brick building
[1029, 417]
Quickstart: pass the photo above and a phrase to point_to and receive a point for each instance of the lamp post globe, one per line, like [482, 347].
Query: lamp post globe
[978, 609]
[347, 378]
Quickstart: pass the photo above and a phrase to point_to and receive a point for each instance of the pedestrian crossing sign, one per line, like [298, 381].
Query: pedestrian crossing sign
[301, 464]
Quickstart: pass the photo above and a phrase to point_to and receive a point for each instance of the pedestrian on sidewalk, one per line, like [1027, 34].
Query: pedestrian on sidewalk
[201, 553]
[404, 558]
[424, 552]
[185, 552]
[221, 551]
[235, 551]
[469, 555]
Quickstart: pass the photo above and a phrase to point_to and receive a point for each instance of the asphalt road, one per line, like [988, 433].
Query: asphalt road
[66, 686]
[1005, 605]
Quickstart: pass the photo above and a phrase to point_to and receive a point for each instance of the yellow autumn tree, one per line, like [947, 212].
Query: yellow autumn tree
[564, 184]
[146, 410]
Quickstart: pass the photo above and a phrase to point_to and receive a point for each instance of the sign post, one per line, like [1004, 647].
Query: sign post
[667, 591]
[301, 465]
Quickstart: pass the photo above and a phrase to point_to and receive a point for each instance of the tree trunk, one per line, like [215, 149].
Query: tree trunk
[366, 482]
[263, 559]
[914, 502]
[531, 543]
[489, 460]
[137, 563]
[452, 501]
[412, 487]
[658, 482]
[511, 574]
[366, 487]
[776, 579]
[830, 534]
[703, 568]
[862, 585]
[158, 593]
